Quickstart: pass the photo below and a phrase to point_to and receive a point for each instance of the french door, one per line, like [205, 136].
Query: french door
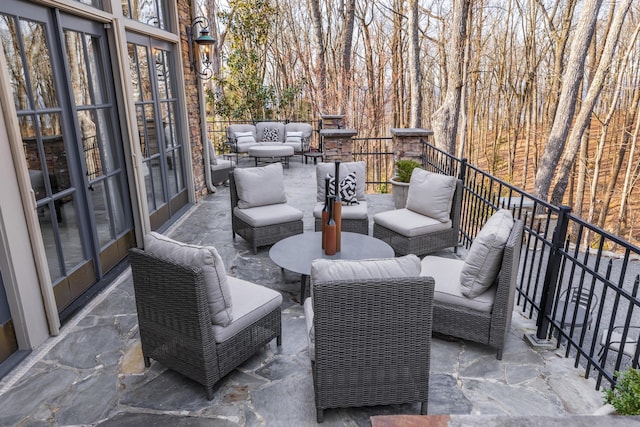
[63, 90]
[155, 95]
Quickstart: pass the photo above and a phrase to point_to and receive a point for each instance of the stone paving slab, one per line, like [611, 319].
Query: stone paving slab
[93, 373]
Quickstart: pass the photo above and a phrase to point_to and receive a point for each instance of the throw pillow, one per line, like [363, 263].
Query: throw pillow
[244, 137]
[347, 189]
[270, 135]
[294, 134]
[431, 194]
[482, 265]
[294, 137]
[213, 160]
[204, 257]
[260, 186]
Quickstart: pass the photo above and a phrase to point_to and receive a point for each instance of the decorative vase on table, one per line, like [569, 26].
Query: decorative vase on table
[330, 231]
[325, 211]
[337, 206]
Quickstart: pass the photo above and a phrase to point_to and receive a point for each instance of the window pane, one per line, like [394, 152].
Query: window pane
[38, 64]
[16, 74]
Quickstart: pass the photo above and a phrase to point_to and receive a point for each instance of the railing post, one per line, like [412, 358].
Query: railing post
[551, 274]
[462, 173]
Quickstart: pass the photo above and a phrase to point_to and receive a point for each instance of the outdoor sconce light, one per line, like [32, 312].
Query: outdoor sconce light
[204, 42]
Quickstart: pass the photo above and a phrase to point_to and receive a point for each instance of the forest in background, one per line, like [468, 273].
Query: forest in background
[543, 94]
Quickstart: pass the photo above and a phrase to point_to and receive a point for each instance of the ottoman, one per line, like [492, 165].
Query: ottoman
[271, 153]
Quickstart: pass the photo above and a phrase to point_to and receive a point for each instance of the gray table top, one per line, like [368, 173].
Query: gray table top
[296, 253]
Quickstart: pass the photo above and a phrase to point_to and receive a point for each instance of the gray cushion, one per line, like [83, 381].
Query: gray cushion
[482, 265]
[358, 211]
[213, 159]
[262, 216]
[305, 128]
[446, 273]
[431, 194]
[232, 129]
[324, 169]
[251, 303]
[323, 270]
[204, 257]
[260, 186]
[409, 223]
[223, 164]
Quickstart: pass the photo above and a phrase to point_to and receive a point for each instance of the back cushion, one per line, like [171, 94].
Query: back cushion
[204, 257]
[323, 270]
[213, 159]
[482, 265]
[324, 169]
[431, 194]
[260, 186]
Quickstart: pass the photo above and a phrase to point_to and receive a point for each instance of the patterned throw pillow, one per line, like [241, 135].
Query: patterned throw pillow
[271, 135]
[347, 189]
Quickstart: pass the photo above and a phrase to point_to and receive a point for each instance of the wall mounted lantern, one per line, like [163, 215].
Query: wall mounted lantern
[203, 43]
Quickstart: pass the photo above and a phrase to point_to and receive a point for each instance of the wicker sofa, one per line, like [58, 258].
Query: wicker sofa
[184, 311]
[241, 137]
[484, 316]
[369, 333]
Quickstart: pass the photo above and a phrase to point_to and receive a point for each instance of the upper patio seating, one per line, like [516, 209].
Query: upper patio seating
[354, 206]
[259, 209]
[220, 168]
[369, 332]
[195, 319]
[629, 346]
[431, 219]
[243, 136]
[474, 298]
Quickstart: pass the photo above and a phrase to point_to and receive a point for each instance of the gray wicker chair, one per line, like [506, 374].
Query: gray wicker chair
[372, 342]
[262, 235]
[175, 323]
[426, 243]
[490, 327]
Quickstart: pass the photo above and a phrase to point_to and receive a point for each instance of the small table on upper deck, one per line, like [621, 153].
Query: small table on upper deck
[296, 253]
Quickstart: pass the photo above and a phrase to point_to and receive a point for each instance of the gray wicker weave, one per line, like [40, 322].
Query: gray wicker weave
[352, 225]
[372, 342]
[259, 236]
[428, 243]
[489, 328]
[175, 325]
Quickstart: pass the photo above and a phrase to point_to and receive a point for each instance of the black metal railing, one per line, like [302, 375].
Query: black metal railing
[377, 153]
[579, 282]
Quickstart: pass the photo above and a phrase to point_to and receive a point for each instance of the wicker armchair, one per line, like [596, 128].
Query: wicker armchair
[489, 326]
[419, 244]
[372, 342]
[263, 225]
[175, 322]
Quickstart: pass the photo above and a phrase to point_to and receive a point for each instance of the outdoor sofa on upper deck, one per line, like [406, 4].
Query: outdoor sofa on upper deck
[241, 137]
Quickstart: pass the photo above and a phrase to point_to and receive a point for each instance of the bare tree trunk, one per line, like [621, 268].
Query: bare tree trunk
[629, 179]
[584, 115]
[414, 67]
[316, 17]
[347, 39]
[445, 119]
[567, 102]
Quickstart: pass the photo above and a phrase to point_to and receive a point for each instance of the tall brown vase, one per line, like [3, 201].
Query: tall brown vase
[337, 207]
[325, 211]
[330, 243]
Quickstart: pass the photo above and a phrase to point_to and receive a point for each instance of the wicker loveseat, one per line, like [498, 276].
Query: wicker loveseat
[192, 317]
[476, 314]
[369, 332]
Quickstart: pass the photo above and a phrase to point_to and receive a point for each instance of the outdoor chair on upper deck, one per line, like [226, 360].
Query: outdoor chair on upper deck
[259, 209]
[192, 317]
[355, 217]
[431, 219]
[580, 302]
[369, 332]
[474, 298]
[614, 342]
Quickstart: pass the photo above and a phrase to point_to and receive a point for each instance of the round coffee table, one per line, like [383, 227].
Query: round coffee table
[283, 152]
[296, 253]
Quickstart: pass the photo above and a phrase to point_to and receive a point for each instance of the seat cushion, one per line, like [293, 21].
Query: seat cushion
[431, 194]
[446, 273]
[483, 261]
[409, 223]
[260, 186]
[323, 270]
[358, 211]
[223, 164]
[324, 169]
[213, 271]
[251, 303]
[262, 216]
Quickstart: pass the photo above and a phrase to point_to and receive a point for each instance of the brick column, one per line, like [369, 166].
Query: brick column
[406, 143]
[332, 121]
[337, 144]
